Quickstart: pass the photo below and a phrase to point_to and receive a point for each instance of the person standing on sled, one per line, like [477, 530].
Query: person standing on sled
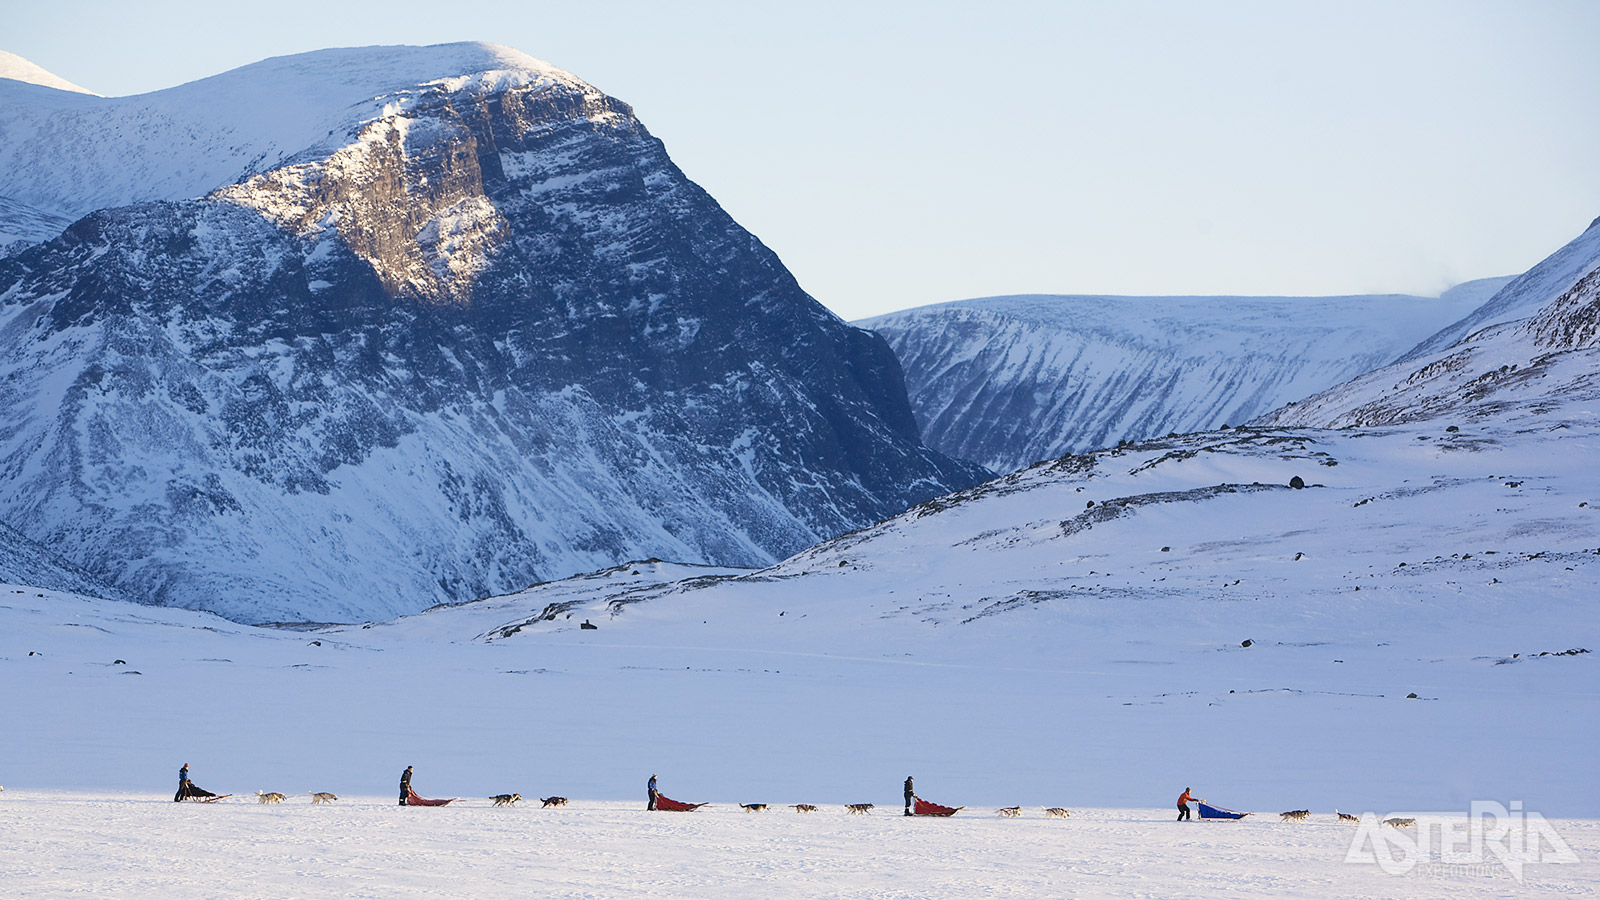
[187, 788]
[1183, 804]
[650, 790]
[911, 795]
[405, 785]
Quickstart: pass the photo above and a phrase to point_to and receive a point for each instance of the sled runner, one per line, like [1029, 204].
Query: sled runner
[1207, 811]
[665, 804]
[413, 800]
[923, 808]
[207, 798]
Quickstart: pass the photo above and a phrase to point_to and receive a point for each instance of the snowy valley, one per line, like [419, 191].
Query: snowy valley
[478, 332]
[1420, 634]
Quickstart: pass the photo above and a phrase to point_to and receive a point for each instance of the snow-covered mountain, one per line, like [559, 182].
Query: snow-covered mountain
[22, 561]
[15, 68]
[1009, 381]
[66, 152]
[1535, 344]
[1100, 630]
[462, 325]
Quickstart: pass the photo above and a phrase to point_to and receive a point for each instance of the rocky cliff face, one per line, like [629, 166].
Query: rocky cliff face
[491, 336]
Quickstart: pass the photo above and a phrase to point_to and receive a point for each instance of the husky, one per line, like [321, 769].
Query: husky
[754, 807]
[506, 799]
[1010, 811]
[804, 807]
[1346, 817]
[1294, 815]
[553, 801]
[858, 809]
[1056, 812]
[1400, 823]
[323, 797]
[271, 797]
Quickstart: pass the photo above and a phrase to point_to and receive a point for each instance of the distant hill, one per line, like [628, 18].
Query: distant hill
[1009, 381]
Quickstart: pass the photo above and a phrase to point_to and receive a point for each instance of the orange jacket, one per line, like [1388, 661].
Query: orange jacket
[1186, 797]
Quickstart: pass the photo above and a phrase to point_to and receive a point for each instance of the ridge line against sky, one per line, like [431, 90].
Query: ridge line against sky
[898, 154]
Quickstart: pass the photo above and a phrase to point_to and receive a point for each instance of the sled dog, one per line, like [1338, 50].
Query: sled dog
[1056, 812]
[804, 807]
[323, 797]
[1346, 817]
[270, 797]
[1294, 815]
[553, 801]
[754, 807]
[506, 799]
[858, 809]
[1011, 811]
[1400, 823]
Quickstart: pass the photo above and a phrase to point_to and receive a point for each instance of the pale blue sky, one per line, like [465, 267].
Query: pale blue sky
[896, 154]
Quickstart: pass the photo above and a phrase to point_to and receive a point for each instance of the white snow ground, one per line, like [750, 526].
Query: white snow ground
[146, 846]
[1009, 645]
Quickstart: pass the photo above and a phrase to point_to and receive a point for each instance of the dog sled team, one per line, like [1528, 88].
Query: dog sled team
[655, 801]
[1207, 811]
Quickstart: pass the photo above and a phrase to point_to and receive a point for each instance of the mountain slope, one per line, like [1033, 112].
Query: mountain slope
[23, 561]
[1008, 381]
[1536, 343]
[15, 68]
[967, 641]
[70, 153]
[1524, 295]
[494, 336]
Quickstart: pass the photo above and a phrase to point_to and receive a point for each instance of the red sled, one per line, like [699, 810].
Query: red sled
[923, 808]
[413, 800]
[665, 804]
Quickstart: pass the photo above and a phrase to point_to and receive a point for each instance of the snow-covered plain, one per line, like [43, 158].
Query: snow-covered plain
[145, 846]
[1008, 645]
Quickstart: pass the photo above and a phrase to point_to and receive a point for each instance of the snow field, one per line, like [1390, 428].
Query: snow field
[142, 845]
[997, 655]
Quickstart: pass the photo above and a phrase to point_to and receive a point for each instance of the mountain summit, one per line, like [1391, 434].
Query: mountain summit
[389, 327]
[15, 68]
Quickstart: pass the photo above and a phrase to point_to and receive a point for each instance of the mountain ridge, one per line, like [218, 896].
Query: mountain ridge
[495, 337]
[1533, 344]
[1008, 381]
[66, 154]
